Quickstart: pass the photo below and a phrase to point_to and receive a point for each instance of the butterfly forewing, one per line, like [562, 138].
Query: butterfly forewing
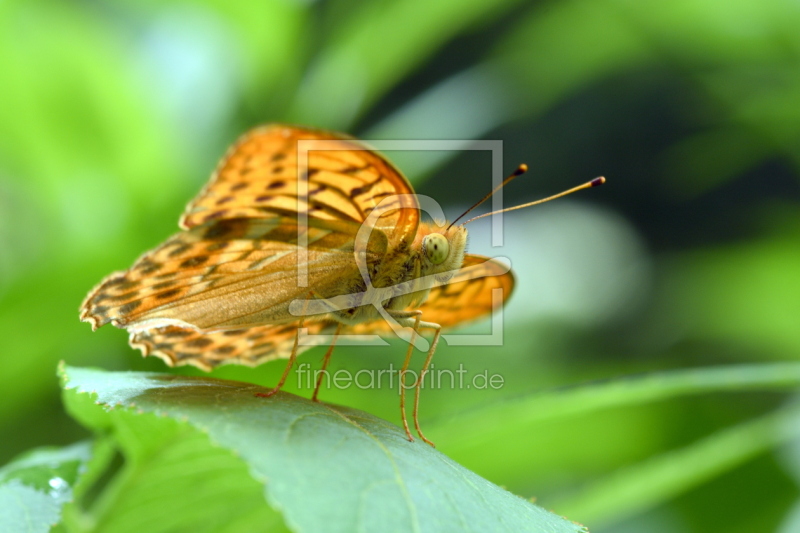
[237, 263]
[333, 180]
[233, 273]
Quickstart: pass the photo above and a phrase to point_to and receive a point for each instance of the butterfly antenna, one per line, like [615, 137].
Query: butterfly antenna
[594, 183]
[522, 169]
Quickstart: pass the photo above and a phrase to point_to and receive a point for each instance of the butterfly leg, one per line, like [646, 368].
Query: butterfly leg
[422, 372]
[286, 370]
[412, 318]
[404, 320]
[292, 357]
[325, 361]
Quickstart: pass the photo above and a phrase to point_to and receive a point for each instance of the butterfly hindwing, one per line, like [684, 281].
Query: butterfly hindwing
[480, 286]
[179, 346]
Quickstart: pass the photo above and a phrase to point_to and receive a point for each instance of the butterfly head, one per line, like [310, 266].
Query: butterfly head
[442, 250]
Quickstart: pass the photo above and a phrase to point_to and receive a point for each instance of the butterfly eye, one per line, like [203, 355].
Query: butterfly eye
[436, 248]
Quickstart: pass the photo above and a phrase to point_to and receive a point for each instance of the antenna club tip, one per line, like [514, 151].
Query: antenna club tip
[597, 181]
[522, 169]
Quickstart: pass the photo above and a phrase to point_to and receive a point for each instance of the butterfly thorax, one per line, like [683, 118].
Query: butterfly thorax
[404, 278]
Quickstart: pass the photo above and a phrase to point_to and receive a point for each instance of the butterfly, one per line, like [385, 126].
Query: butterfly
[299, 232]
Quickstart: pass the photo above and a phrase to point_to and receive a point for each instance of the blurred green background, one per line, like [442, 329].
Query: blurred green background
[113, 115]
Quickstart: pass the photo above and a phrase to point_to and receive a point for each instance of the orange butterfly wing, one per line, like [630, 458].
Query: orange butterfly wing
[232, 274]
[280, 170]
[236, 265]
[467, 297]
[178, 346]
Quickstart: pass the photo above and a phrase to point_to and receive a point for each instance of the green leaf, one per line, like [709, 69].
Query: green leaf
[658, 479]
[544, 432]
[35, 487]
[474, 427]
[325, 467]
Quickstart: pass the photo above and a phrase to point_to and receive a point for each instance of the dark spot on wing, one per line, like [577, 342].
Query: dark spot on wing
[199, 342]
[263, 346]
[353, 170]
[358, 191]
[100, 297]
[168, 294]
[129, 307]
[122, 284]
[216, 215]
[224, 349]
[181, 249]
[223, 228]
[127, 296]
[216, 246]
[178, 333]
[148, 267]
[194, 261]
